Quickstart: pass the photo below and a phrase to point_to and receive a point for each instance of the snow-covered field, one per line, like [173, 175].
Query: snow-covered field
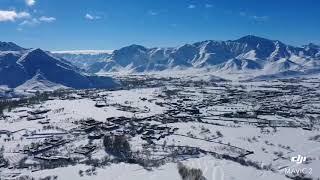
[229, 130]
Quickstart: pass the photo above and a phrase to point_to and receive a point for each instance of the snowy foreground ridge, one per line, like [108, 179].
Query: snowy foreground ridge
[159, 127]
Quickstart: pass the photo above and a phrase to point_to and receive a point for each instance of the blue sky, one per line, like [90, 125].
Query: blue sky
[111, 24]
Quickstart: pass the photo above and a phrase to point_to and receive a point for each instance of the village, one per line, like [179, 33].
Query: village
[153, 122]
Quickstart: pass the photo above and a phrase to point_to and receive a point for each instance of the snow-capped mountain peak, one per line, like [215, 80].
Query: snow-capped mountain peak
[25, 67]
[39, 83]
[247, 54]
[244, 54]
[10, 46]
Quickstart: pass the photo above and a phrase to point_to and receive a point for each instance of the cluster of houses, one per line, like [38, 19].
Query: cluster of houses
[181, 105]
[38, 114]
[94, 129]
[124, 126]
[47, 144]
[272, 100]
[86, 149]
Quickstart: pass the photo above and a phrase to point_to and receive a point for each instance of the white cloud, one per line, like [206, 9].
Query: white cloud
[260, 18]
[47, 19]
[254, 17]
[192, 6]
[12, 15]
[152, 13]
[36, 21]
[23, 15]
[208, 5]
[88, 16]
[30, 22]
[91, 17]
[30, 2]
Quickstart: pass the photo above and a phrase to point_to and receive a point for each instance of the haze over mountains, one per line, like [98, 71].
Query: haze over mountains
[250, 54]
[85, 59]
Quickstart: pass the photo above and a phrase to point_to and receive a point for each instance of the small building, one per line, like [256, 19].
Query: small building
[100, 104]
[39, 111]
[85, 150]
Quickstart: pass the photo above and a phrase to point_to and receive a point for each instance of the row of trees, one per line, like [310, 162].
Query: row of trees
[187, 173]
[118, 146]
[37, 98]
[11, 104]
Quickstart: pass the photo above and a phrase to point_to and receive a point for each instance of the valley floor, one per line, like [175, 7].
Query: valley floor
[228, 130]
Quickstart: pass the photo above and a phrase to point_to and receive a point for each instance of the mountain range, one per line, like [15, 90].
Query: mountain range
[20, 66]
[88, 60]
[262, 58]
[247, 54]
